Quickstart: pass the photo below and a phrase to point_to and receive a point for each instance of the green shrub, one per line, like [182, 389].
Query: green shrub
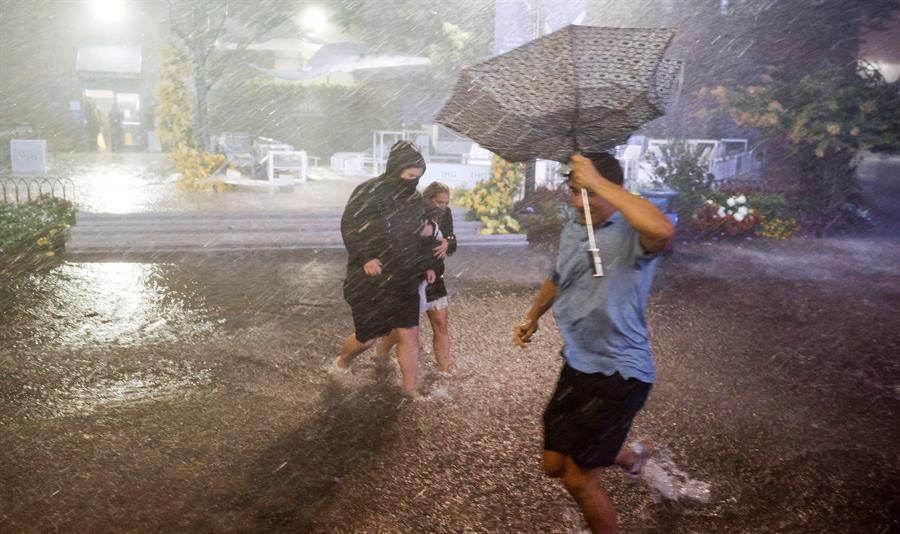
[770, 205]
[36, 226]
[679, 168]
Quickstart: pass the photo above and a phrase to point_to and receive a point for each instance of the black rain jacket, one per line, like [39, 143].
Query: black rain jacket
[382, 220]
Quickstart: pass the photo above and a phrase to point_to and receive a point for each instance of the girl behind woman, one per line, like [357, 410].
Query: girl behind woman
[436, 305]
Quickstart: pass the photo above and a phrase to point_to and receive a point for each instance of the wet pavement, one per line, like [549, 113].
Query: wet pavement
[189, 393]
[108, 182]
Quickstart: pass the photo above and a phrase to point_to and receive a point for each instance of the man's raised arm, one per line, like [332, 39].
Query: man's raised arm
[653, 226]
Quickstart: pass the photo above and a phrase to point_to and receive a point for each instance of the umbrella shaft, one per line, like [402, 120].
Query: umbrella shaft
[596, 262]
[592, 243]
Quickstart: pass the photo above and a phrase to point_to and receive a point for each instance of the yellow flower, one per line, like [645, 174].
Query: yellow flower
[820, 153]
[50, 253]
[833, 128]
[769, 119]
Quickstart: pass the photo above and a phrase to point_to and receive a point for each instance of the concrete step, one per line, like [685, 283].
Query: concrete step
[244, 241]
[238, 220]
[205, 225]
[120, 239]
[165, 232]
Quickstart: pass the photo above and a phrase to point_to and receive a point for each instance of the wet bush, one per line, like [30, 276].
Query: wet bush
[196, 167]
[824, 119]
[491, 201]
[542, 215]
[34, 227]
[679, 168]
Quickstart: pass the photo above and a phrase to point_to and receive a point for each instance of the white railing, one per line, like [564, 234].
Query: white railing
[716, 155]
[737, 166]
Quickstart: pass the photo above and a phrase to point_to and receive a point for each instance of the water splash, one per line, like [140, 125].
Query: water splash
[668, 482]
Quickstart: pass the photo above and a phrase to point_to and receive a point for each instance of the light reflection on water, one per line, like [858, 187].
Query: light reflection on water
[140, 183]
[117, 183]
[122, 303]
[82, 336]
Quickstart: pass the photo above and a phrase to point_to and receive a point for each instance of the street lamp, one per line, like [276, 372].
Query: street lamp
[109, 11]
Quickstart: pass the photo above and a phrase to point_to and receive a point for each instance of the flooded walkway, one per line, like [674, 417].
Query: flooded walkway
[188, 393]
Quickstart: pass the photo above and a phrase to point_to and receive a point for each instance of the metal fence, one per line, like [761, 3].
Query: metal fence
[18, 189]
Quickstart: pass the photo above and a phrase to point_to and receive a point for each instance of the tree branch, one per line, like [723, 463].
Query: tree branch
[175, 29]
[214, 36]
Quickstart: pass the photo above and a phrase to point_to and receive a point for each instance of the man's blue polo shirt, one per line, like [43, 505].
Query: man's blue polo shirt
[602, 319]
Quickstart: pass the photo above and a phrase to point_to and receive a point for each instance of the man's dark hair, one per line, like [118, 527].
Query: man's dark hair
[608, 166]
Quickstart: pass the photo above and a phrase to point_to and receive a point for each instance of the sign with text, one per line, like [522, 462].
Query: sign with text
[28, 156]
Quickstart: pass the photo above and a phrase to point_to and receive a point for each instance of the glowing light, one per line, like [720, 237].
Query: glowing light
[109, 11]
[314, 18]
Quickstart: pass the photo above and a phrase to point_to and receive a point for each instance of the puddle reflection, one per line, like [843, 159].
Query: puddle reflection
[90, 304]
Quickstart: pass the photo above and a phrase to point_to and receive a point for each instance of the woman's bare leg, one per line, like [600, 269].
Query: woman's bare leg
[385, 344]
[441, 338]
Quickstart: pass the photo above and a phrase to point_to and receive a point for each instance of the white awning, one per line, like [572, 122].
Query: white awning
[109, 59]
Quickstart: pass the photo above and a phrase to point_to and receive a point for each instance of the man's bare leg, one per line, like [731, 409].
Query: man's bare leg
[441, 337]
[408, 356]
[584, 486]
[351, 349]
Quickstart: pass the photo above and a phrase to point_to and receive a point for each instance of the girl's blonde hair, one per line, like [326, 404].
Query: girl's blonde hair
[434, 189]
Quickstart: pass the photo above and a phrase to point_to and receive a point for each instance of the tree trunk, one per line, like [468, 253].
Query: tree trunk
[826, 186]
[529, 178]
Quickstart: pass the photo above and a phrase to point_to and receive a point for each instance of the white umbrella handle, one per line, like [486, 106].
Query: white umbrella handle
[592, 243]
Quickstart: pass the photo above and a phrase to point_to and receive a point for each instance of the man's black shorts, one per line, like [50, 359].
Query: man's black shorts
[589, 415]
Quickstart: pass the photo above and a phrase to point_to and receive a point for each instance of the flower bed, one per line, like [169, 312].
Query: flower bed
[738, 214]
[34, 227]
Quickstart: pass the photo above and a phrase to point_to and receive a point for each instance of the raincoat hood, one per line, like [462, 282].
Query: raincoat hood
[404, 154]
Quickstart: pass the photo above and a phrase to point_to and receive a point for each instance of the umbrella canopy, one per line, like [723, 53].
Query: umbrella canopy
[580, 88]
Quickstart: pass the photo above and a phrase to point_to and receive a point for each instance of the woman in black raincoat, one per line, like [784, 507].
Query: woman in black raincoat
[387, 258]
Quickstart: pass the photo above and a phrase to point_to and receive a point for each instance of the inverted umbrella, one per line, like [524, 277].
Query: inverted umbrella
[578, 89]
